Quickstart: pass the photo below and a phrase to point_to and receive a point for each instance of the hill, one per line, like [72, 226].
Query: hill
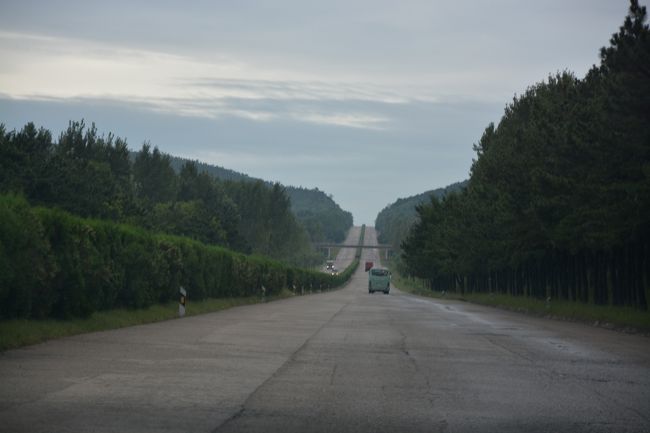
[395, 220]
[222, 173]
[318, 213]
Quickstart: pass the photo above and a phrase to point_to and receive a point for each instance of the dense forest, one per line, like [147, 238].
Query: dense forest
[86, 226]
[558, 201]
[396, 219]
[213, 170]
[318, 213]
[92, 175]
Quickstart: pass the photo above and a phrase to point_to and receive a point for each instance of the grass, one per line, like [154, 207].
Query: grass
[622, 318]
[19, 333]
[607, 316]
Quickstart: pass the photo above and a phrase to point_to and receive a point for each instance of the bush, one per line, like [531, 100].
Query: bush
[26, 261]
[53, 264]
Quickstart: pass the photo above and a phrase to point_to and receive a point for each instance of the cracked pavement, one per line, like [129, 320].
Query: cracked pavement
[343, 361]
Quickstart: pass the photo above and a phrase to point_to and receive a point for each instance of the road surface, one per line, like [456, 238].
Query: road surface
[343, 361]
[345, 256]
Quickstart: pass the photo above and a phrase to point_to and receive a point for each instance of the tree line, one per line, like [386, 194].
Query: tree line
[558, 200]
[323, 219]
[395, 220]
[55, 264]
[94, 175]
[316, 211]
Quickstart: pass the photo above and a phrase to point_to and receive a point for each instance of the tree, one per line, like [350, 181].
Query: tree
[155, 180]
[559, 195]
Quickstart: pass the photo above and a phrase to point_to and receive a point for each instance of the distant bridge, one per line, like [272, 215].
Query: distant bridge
[378, 246]
[329, 246]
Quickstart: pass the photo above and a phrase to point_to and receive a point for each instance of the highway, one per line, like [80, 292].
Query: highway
[342, 361]
[346, 255]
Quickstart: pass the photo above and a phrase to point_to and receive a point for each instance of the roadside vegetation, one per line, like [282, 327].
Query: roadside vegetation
[396, 219]
[555, 217]
[61, 274]
[19, 332]
[68, 275]
[626, 319]
[362, 238]
[54, 264]
[95, 176]
[93, 236]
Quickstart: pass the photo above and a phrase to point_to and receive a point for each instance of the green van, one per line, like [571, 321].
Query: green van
[379, 280]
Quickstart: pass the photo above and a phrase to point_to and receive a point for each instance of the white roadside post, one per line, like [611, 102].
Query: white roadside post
[181, 302]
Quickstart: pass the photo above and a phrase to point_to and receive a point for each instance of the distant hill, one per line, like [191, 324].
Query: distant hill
[395, 220]
[213, 170]
[319, 213]
[321, 216]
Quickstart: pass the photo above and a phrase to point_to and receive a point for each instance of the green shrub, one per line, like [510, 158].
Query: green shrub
[53, 264]
[26, 262]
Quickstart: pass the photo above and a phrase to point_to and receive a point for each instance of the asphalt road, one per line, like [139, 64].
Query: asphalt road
[346, 255]
[343, 361]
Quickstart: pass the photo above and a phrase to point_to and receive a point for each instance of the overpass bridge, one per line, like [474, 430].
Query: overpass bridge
[329, 246]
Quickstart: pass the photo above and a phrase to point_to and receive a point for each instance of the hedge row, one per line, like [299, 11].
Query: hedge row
[53, 264]
[362, 237]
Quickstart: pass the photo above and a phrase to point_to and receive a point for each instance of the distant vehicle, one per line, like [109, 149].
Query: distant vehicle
[379, 280]
[369, 266]
[330, 265]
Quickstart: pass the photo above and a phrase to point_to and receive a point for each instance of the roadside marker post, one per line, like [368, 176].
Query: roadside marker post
[181, 302]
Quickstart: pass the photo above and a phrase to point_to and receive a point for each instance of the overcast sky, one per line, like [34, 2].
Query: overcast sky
[367, 100]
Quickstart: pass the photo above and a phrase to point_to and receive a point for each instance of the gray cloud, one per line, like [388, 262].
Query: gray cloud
[369, 40]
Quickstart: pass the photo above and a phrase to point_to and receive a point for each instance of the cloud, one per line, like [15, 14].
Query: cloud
[347, 120]
[47, 68]
[63, 67]
[296, 89]
[271, 159]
